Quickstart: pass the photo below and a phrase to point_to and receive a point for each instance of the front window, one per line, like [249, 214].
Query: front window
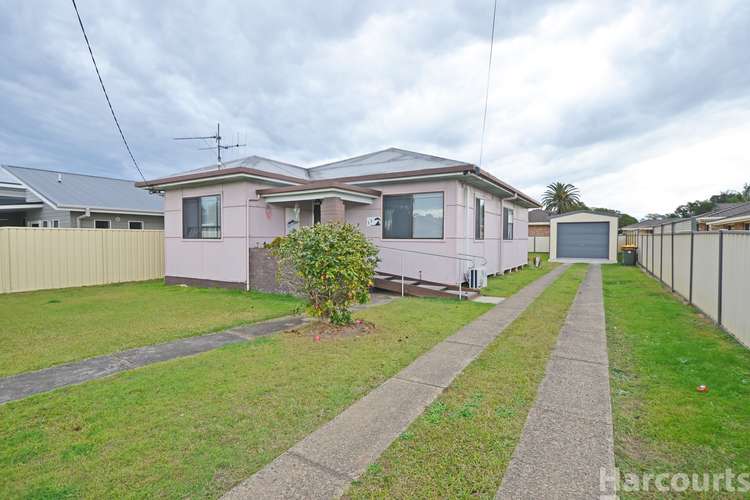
[413, 216]
[507, 223]
[478, 219]
[201, 217]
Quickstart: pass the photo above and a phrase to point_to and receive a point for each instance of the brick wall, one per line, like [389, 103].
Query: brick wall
[538, 230]
[263, 275]
[332, 209]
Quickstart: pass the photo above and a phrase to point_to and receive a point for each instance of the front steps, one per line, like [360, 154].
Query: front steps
[422, 288]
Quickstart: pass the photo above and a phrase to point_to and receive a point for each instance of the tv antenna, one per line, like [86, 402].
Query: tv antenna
[216, 137]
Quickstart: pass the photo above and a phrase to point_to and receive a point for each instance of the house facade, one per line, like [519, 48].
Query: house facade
[432, 218]
[34, 197]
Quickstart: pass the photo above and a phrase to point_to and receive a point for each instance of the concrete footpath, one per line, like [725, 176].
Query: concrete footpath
[567, 438]
[324, 463]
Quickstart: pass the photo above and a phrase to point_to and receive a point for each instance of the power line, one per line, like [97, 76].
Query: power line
[109, 103]
[487, 93]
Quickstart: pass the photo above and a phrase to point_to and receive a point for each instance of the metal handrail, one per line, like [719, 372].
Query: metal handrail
[465, 259]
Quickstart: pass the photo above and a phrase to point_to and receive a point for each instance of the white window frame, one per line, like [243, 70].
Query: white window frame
[139, 222]
[37, 222]
[109, 223]
[55, 223]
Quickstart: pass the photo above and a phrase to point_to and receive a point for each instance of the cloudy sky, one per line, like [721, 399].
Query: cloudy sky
[643, 105]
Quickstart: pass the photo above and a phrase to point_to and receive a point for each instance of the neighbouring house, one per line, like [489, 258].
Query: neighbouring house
[538, 223]
[583, 234]
[733, 219]
[34, 197]
[432, 218]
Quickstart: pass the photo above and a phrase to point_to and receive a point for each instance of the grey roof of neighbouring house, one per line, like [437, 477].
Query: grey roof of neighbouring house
[652, 223]
[538, 216]
[69, 191]
[729, 210]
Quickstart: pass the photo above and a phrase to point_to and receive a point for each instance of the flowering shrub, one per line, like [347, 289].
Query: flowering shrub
[336, 263]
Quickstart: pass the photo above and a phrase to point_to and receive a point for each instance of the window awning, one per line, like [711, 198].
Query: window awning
[319, 191]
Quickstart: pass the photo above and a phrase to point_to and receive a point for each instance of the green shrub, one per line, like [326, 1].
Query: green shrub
[336, 264]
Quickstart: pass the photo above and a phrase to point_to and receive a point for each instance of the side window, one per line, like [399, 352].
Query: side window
[478, 219]
[201, 217]
[507, 223]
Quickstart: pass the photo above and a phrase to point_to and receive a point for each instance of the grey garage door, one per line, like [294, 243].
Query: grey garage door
[583, 240]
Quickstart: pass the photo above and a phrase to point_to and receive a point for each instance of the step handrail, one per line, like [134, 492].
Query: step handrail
[464, 259]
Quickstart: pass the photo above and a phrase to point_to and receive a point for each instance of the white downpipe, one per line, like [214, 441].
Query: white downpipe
[467, 226]
[86, 214]
[247, 245]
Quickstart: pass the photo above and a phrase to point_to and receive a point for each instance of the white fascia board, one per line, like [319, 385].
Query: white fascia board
[9, 208]
[317, 194]
[538, 223]
[220, 179]
[109, 210]
[730, 220]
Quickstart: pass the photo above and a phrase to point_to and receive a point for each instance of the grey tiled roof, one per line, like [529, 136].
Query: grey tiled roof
[732, 211]
[67, 190]
[538, 216]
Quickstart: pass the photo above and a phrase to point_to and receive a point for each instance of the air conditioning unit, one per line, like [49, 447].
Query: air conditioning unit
[477, 277]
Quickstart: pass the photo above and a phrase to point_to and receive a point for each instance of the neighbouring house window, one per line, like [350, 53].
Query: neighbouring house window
[413, 216]
[135, 224]
[45, 223]
[478, 219]
[55, 223]
[102, 224]
[507, 223]
[201, 217]
[747, 226]
[35, 224]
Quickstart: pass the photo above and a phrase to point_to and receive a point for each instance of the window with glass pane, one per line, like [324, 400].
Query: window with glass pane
[201, 217]
[507, 223]
[479, 219]
[413, 216]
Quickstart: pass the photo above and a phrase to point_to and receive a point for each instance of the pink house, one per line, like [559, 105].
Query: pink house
[431, 217]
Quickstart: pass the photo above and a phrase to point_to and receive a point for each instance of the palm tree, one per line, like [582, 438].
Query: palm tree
[746, 191]
[560, 198]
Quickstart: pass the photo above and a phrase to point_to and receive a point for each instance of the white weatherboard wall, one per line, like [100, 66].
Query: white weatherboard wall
[38, 258]
[697, 279]
[584, 217]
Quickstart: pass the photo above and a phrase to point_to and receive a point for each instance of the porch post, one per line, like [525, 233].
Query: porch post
[332, 210]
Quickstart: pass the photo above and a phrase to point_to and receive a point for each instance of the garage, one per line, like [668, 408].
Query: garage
[583, 235]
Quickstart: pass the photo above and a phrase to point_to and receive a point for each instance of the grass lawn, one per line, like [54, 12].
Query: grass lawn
[50, 327]
[506, 285]
[660, 350]
[461, 445]
[194, 427]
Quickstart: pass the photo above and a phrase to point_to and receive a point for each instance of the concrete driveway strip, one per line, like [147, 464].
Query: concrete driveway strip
[568, 439]
[324, 463]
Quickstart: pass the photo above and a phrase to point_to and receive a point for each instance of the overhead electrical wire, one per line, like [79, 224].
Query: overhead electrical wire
[487, 92]
[106, 95]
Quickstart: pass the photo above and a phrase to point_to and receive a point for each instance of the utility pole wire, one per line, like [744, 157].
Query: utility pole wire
[487, 93]
[106, 96]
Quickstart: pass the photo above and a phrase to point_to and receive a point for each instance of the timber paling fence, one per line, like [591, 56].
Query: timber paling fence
[710, 269]
[45, 258]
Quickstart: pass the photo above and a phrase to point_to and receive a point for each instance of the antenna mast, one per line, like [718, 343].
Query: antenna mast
[219, 146]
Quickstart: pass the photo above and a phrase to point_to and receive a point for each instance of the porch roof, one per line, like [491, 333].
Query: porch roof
[319, 190]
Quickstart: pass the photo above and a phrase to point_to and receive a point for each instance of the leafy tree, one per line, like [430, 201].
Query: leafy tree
[693, 208]
[654, 217]
[335, 262]
[622, 219]
[561, 197]
[746, 191]
[730, 196]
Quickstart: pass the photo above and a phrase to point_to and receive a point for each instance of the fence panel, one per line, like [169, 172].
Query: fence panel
[682, 264]
[37, 258]
[706, 273]
[539, 244]
[656, 255]
[735, 309]
[666, 260]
